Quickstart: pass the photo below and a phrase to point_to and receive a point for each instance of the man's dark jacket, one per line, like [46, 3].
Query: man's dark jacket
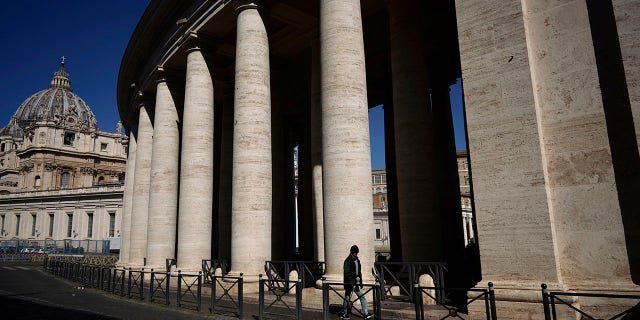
[352, 272]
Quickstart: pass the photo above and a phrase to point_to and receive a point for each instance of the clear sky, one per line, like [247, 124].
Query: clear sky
[92, 36]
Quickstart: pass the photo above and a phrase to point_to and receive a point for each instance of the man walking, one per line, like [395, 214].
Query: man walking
[353, 283]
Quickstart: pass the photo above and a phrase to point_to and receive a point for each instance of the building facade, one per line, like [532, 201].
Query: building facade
[61, 177]
[216, 94]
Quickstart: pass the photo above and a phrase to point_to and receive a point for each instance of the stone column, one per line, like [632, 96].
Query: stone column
[420, 221]
[346, 166]
[141, 179]
[163, 192]
[125, 226]
[316, 152]
[252, 159]
[196, 175]
[580, 182]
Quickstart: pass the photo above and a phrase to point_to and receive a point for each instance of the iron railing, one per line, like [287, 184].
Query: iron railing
[188, 296]
[209, 268]
[222, 298]
[280, 307]
[337, 289]
[551, 299]
[159, 286]
[308, 271]
[448, 311]
[402, 275]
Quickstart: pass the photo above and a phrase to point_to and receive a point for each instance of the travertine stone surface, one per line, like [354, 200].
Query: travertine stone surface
[316, 152]
[252, 159]
[514, 226]
[627, 17]
[163, 191]
[579, 175]
[346, 168]
[420, 222]
[196, 175]
[125, 240]
[140, 201]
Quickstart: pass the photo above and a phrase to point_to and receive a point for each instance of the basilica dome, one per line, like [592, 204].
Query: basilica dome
[57, 105]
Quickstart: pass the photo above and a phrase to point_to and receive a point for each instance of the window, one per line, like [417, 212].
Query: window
[17, 224]
[2, 229]
[90, 224]
[33, 224]
[100, 179]
[466, 180]
[38, 182]
[64, 179]
[112, 223]
[378, 234]
[2, 148]
[69, 224]
[51, 225]
[69, 137]
[103, 147]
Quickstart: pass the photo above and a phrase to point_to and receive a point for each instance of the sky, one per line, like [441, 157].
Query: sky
[92, 36]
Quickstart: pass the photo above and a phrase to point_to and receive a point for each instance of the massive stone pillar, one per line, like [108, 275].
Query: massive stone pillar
[316, 153]
[163, 191]
[346, 166]
[252, 159]
[141, 179]
[575, 147]
[125, 239]
[196, 176]
[421, 226]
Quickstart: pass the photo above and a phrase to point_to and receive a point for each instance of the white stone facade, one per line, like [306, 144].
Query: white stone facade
[61, 176]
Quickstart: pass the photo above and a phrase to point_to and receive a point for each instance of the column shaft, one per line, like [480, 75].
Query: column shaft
[125, 237]
[252, 159]
[316, 152]
[196, 175]
[163, 192]
[346, 168]
[420, 222]
[141, 179]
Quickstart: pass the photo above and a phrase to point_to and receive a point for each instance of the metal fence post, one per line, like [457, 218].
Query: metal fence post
[545, 302]
[179, 286]
[417, 299]
[241, 295]
[166, 293]
[260, 297]
[299, 299]
[199, 289]
[492, 301]
[325, 298]
[376, 301]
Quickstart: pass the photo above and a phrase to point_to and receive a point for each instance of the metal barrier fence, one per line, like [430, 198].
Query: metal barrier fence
[402, 275]
[186, 295]
[280, 306]
[486, 295]
[225, 302]
[308, 271]
[159, 286]
[135, 285]
[209, 268]
[550, 300]
[337, 288]
[16, 246]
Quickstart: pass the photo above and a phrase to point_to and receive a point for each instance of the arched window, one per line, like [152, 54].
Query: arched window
[38, 182]
[100, 179]
[64, 180]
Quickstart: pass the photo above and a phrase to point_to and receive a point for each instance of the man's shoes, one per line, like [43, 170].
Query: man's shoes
[343, 315]
[368, 316]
